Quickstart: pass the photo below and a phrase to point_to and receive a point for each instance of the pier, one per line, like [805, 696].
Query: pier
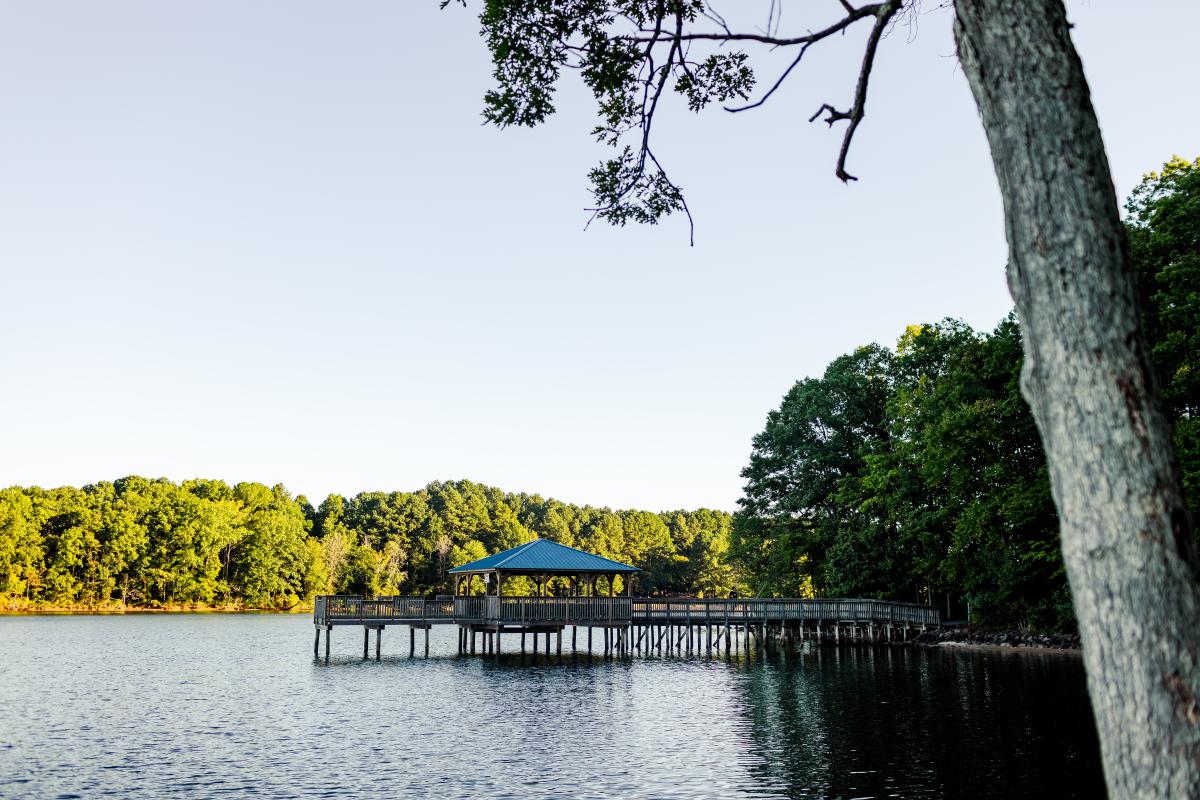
[621, 624]
[624, 625]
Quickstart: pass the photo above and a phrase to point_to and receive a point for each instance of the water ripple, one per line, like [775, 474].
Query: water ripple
[208, 706]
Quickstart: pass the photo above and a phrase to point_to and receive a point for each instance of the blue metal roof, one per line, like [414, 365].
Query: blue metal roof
[543, 555]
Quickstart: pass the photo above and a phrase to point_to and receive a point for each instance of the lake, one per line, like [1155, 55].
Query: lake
[217, 705]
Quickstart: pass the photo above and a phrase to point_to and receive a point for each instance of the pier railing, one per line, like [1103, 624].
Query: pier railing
[350, 609]
[354, 608]
[470, 608]
[703, 612]
[559, 610]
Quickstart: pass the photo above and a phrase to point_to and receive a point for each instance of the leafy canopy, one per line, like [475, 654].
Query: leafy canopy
[630, 54]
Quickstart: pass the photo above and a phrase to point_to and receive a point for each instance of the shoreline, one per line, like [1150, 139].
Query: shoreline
[980, 647]
[1000, 641]
[82, 611]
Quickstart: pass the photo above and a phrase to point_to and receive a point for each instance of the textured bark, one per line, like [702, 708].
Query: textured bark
[1127, 542]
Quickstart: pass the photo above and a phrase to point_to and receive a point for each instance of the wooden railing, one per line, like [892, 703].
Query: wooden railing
[703, 612]
[353, 608]
[469, 608]
[348, 609]
[559, 610]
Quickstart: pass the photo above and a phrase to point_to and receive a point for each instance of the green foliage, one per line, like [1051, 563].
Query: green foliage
[813, 447]
[273, 563]
[720, 77]
[1164, 237]
[626, 191]
[909, 475]
[919, 474]
[611, 44]
[153, 543]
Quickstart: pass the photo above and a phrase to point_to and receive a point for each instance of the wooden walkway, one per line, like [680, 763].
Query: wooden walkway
[626, 623]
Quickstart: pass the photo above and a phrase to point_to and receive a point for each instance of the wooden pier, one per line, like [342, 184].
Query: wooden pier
[625, 624]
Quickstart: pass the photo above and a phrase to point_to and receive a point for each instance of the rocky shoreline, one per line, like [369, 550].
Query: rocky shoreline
[966, 637]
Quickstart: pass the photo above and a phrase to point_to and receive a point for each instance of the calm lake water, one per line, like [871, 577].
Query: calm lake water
[211, 705]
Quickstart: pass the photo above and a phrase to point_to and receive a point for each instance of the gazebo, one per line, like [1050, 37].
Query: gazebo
[540, 560]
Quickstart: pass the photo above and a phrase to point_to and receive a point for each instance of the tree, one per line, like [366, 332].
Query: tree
[21, 553]
[1126, 534]
[273, 565]
[648, 544]
[812, 447]
[152, 542]
[1164, 236]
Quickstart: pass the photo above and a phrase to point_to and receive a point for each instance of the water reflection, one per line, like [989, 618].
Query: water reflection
[857, 721]
[211, 705]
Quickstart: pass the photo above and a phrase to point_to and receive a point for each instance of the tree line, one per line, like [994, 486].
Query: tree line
[917, 473]
[140, 542]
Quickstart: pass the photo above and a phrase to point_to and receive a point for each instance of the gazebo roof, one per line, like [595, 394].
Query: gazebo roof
[545, 556]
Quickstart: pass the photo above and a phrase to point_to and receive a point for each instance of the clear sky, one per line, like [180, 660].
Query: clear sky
[272, 241]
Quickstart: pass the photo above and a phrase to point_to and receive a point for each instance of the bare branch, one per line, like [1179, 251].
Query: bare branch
[712, 15]
[884, 15]
[859, 13]
[834, 114]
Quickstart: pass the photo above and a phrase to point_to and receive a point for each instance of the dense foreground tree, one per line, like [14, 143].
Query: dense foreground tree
[1125, 531]
[911, 475]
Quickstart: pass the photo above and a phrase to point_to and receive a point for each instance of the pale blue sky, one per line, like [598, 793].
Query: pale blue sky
[271, 241]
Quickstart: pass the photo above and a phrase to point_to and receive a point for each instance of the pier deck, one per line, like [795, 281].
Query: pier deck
[627, 622]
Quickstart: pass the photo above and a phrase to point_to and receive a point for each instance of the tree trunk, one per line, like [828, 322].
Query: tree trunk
[1126, 538]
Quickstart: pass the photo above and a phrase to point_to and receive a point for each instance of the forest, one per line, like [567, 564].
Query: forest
[912, 473]
[203, 543]
[917, 473]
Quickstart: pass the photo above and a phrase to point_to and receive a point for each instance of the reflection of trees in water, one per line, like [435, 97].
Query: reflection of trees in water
[856, 721]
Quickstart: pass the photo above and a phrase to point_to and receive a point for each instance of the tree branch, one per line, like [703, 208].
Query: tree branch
[853, 16]
[886, 11]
